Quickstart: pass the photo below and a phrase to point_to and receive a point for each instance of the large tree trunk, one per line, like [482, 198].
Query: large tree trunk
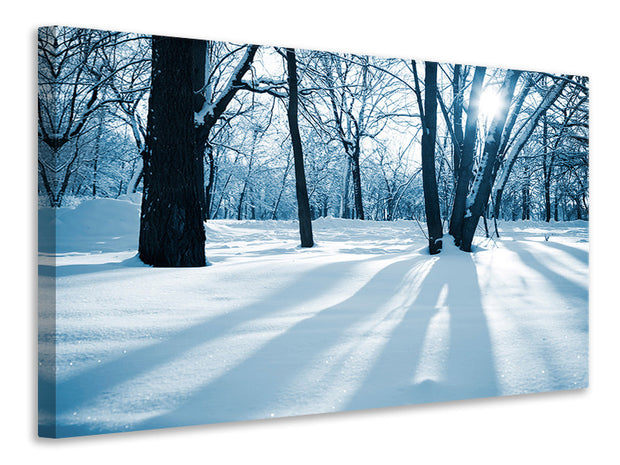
[483, 183]
[467, 157]
[171, 228]
[303, 205]
[429, 180]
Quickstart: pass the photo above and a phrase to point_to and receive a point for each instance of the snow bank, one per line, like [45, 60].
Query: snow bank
[98, 225]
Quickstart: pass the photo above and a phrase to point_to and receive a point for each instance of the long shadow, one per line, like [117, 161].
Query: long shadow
[258, 383]
[469, 369]
[565, 287]
[73, 270]
[579, 254]
[85, 387]
[555, 367]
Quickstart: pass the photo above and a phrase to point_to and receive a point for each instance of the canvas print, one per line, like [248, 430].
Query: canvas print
[235, 232]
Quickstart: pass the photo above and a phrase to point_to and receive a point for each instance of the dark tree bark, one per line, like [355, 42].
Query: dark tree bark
[356, 175]
[486, 225]
[547, 171]
[525, 196]
[429, 180]
[467, 157]
[303, 205]
[457, 93]
[171, 227]
[484, 178]
[345, 211]
[353, 174]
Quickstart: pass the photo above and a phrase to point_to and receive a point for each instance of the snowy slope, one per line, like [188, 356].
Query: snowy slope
[365, 319]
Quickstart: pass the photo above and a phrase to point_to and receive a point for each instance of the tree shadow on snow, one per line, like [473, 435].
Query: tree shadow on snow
[269, 377]
[83, 389]
[467, 368]
[266, 379]
[578, 253]
[565, 287]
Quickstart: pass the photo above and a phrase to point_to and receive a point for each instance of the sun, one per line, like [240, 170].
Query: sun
[490, 104]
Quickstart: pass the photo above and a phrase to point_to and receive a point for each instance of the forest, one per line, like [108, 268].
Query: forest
[379, 139]
[234, 232]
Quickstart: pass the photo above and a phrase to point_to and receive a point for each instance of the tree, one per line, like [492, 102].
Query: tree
[348, 90]
[74, 86]
[209, 107]
[521, 139]
[357, 125]
[466, 159]
[303, 206]
[171, 228]
[483, 182]
[428, 114]
[351, 94]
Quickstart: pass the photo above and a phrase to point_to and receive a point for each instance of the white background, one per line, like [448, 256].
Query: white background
[556, 36]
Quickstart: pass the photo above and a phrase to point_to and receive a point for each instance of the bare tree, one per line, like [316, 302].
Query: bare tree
[210, 103]
[74, 84]
[521, 139]
[466, 162]
[303, 206]
[171, 227]
[428, 112]
[483, 182]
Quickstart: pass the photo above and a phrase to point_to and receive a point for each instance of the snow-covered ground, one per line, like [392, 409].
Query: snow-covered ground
[364, 319]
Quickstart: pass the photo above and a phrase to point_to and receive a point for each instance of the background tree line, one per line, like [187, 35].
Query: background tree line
[362, 124]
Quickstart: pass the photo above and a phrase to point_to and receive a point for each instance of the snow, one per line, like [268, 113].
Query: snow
[365, 319]
[471, 196]
[199, 117]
